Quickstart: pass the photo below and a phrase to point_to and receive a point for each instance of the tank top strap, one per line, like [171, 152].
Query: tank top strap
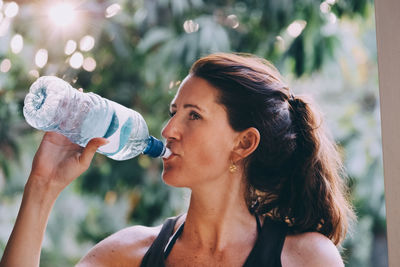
[172, 240]
[154, 256]
[268, 247]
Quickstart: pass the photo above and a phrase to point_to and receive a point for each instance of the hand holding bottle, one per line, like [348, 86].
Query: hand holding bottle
[58, 161]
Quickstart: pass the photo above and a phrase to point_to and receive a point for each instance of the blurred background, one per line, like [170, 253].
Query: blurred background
[137, 52]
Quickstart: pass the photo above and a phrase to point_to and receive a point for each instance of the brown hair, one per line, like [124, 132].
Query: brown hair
[295, 174]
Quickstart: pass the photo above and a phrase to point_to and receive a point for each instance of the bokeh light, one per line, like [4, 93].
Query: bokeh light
[76, 60]
[34, 73]
[86, 43]
[332, 18]
[296, 28]
[325, 7]
[190, 26]
[70, 47]
[4, 26]
[62, 14]
[89, 64]
[41, 58]
[112, 10]
[5, 65]
[232, 21]
[17, 43]
[11, 9]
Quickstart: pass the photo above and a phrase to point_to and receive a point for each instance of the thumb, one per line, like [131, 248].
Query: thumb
[90, 149]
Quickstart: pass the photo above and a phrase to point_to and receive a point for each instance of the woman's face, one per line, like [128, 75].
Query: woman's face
[199, 136]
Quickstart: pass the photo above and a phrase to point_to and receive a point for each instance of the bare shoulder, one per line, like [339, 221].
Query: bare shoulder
[124, 248]
[310, 249]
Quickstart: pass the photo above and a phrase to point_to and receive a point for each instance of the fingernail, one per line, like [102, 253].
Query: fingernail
[100, 143]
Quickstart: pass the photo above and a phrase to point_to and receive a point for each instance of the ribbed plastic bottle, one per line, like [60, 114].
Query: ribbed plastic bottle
[54, 105]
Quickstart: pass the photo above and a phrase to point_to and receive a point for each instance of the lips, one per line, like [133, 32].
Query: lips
[173, 155]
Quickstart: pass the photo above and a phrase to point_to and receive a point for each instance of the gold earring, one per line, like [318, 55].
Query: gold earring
[232, 168]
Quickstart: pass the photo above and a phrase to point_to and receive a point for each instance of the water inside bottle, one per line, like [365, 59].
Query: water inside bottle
[119, 129]
[127, 133]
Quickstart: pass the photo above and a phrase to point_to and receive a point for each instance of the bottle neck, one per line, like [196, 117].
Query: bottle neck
[155, 148]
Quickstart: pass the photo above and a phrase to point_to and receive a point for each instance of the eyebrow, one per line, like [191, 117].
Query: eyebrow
[188, 106]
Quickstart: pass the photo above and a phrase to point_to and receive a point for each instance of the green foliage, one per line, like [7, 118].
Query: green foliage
[143, 53]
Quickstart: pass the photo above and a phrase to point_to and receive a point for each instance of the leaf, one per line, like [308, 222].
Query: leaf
[153, 38]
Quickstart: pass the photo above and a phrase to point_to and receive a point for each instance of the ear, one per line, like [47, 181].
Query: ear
[246, 142]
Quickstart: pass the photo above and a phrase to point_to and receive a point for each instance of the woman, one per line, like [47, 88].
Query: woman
[265, 179]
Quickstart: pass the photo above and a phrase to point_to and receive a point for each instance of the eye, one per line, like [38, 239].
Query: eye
[194, 116]
[171, 113]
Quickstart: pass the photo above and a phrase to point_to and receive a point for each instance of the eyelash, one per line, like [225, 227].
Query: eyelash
[192, 115]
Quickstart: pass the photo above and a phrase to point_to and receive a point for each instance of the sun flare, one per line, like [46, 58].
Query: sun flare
[62, 14]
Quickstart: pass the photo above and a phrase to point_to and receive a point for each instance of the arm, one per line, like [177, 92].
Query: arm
[56, 164]
[123, 248]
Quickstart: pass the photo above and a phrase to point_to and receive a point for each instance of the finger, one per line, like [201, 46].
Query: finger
[90, 149]
[80, 89]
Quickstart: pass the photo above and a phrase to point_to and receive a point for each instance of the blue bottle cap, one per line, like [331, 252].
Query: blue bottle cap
[155, 148]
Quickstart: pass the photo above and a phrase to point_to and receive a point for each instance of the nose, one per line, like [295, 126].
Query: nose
[170, 130]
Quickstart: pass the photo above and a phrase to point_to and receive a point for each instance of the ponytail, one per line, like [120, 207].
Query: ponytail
[312, 197]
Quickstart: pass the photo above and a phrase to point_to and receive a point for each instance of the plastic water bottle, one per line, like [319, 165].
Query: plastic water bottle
[54, 105]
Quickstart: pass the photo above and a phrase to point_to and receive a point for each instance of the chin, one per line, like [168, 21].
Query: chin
[172, 179]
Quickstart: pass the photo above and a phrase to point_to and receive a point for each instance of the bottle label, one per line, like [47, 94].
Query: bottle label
[119, 130]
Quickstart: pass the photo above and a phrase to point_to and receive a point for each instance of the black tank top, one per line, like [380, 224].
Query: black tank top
[266, 251]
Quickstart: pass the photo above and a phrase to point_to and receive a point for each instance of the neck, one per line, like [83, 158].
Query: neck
[218, 211]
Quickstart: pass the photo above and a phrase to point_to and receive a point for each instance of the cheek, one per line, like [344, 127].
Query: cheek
[209, 154]
[206, 156]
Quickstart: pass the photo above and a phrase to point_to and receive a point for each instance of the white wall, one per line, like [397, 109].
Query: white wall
[388, 40]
